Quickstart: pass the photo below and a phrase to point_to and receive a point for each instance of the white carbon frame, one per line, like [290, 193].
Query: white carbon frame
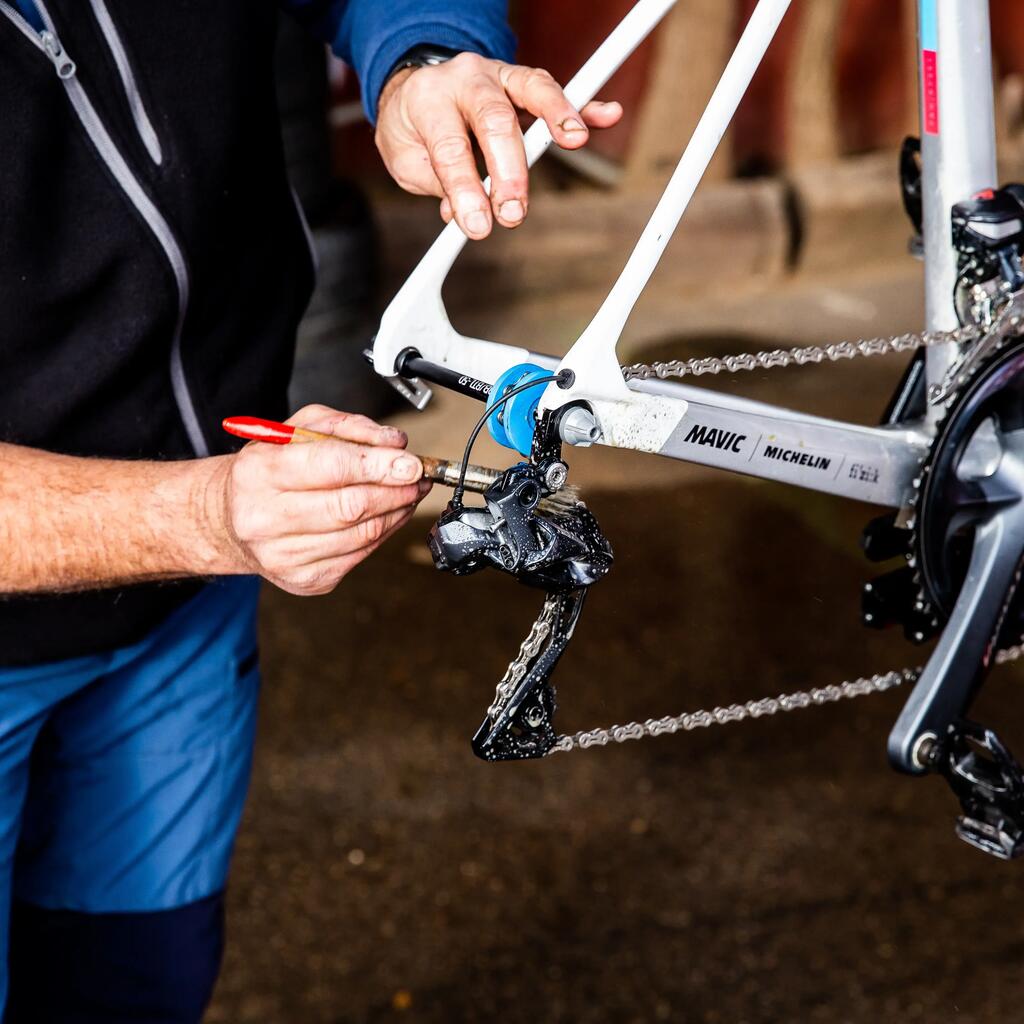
[873, 464]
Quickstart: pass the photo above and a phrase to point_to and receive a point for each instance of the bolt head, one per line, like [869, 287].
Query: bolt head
[556, 476]
[926, 750]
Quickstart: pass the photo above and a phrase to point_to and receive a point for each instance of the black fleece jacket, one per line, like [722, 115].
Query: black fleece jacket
[153, 263]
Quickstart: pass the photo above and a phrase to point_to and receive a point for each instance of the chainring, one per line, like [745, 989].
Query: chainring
[946, 508]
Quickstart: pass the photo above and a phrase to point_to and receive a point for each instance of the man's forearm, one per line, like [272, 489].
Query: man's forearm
[73, 523]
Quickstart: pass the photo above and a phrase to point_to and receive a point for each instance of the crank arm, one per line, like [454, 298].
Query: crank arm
[967, 646]
[522, 728]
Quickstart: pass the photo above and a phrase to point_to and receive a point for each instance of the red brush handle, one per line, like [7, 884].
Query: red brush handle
[252, 428]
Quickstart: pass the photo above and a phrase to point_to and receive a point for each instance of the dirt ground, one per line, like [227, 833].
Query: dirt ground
[766, 872]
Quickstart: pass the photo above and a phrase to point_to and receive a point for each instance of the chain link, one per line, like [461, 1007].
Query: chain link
[688, 721]
[528, 650]
[799, 356]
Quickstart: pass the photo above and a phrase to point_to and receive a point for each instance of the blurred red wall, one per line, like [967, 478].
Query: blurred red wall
[872, 66]
[871, 69]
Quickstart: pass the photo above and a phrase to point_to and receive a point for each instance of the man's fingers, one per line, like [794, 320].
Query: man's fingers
[451, 156]
[296, 513]
[536, 91]
[411, 168]
[495, 124]
[348, 426]
[370, 536]
[323, 575]
[323, 465]
[598, 114]
[307, 549]
[429, 120]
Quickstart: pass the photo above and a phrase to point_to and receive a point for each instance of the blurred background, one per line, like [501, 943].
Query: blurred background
[763, 872]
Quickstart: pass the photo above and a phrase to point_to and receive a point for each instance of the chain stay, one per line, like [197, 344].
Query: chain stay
[766, 706]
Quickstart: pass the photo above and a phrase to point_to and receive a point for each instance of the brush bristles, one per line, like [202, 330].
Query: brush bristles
[562, 501]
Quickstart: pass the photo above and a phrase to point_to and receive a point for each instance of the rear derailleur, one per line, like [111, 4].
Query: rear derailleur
[528, 530]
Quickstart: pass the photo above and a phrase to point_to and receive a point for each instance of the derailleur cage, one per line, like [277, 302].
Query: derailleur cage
[520, 724]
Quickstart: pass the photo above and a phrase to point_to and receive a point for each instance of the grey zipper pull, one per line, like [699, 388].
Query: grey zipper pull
[61, 61]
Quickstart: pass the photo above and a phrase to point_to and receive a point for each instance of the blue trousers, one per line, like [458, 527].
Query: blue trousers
[122, 782]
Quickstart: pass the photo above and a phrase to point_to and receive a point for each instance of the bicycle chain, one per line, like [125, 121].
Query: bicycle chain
[806, 355]
[766, 706]
[528, 650]
[797, 701]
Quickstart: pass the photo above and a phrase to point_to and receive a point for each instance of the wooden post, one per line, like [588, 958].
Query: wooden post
[692, 48]
[812, 102]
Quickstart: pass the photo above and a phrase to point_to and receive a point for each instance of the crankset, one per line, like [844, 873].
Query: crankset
[967, 544]
[964, 539]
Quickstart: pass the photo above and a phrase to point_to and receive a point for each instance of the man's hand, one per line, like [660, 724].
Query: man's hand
[427, 116]
[304, 515]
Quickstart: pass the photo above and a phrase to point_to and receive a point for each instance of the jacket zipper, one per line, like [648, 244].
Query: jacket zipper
[143, 125]
[49, 42]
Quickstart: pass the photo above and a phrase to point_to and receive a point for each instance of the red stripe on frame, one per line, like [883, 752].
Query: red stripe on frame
[930, 88]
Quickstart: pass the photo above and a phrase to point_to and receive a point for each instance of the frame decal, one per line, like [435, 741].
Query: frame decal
[929, 28]
[799, 455]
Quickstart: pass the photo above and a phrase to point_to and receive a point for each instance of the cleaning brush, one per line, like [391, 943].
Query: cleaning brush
[441, 471]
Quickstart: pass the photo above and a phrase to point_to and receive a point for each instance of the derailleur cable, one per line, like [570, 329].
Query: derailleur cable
[563, 379]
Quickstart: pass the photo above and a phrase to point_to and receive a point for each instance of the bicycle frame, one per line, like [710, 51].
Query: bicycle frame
[696, 424]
